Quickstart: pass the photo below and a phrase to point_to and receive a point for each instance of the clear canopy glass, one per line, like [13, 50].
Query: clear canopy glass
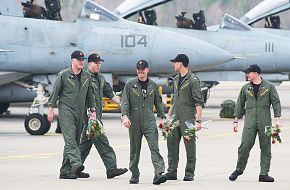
[230, 22]
[94, 11]
[265, 8]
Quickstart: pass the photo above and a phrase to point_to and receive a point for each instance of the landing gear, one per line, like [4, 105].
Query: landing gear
[4, 107]
[37, 123]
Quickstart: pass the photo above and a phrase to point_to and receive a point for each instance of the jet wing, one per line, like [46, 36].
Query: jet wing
[130, 7]
[264, 9]
[8, 77]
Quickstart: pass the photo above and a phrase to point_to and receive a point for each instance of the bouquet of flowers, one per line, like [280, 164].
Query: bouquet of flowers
[189, 133]
[273, 131]
[168, 126]
[95, 128]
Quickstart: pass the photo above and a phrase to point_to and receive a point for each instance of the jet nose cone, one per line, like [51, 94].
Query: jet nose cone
[202, 55]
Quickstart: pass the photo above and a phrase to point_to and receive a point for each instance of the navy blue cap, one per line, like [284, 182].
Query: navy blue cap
[78, 55]
[253, 68]
[142, 64]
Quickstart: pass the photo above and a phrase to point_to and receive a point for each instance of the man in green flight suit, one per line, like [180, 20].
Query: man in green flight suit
[73, 89]
[101, 89]
[255, 99]
[186, 105]
[139, 97]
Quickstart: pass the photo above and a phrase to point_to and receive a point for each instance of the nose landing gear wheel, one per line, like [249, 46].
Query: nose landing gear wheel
[36, 124]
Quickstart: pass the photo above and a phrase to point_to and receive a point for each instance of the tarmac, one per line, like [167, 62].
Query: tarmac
[33, 162]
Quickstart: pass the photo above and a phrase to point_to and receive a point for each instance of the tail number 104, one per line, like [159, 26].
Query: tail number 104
[133, 41]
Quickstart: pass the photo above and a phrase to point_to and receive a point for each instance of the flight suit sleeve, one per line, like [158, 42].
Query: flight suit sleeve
[108, 90]
[196, 92]
[55, 93]
[159, 104]
[275, 101]
[90, 99]
[240, 105]
[125, 101]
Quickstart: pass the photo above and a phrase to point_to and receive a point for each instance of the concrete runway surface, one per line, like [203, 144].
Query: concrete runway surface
[33, 162]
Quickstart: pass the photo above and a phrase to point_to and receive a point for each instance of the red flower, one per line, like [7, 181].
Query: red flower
[273, 141]
[91, 135]
[185, 139]
[166, 129]
[160, 125]
[275, 134]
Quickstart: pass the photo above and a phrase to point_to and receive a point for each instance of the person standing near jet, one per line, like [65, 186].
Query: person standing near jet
[72, 89]
[139, 97]
[255, 99]
[101, 88]
[187, 105]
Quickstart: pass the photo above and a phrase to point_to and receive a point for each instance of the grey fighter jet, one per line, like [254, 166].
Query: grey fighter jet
[248, 44]
[34, 50]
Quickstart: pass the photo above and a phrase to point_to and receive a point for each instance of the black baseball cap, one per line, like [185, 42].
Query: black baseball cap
[94, 58]
[78, 55]
[253, 68]
[181, 58]
[142, 64]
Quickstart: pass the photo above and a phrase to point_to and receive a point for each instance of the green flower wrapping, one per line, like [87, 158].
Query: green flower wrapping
[190, 131]
[95, 128]
[168, 126]
[274, 133]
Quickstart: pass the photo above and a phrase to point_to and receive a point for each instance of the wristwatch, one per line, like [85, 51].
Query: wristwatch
[198, 121]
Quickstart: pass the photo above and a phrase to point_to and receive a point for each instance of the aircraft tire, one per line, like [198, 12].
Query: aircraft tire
[4, 107]
[36, 124]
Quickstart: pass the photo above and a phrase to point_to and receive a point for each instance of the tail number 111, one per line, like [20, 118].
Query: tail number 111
[133, 41]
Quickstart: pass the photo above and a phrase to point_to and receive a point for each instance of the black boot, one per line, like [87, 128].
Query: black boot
[188, 178]
[235, 175]
[83, 175]
[67, 176]
[134, 179]
[265, 178]
[159, 178]
[171, 176]
[116, 172]
[77, 170]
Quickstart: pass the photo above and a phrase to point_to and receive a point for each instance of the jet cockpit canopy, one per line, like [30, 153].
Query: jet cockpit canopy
[230, 22]
[264, 9]
[94, 11]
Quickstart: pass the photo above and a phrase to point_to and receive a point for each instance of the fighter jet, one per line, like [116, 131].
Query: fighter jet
[248, 44]
[269, 11]
[34, 50]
